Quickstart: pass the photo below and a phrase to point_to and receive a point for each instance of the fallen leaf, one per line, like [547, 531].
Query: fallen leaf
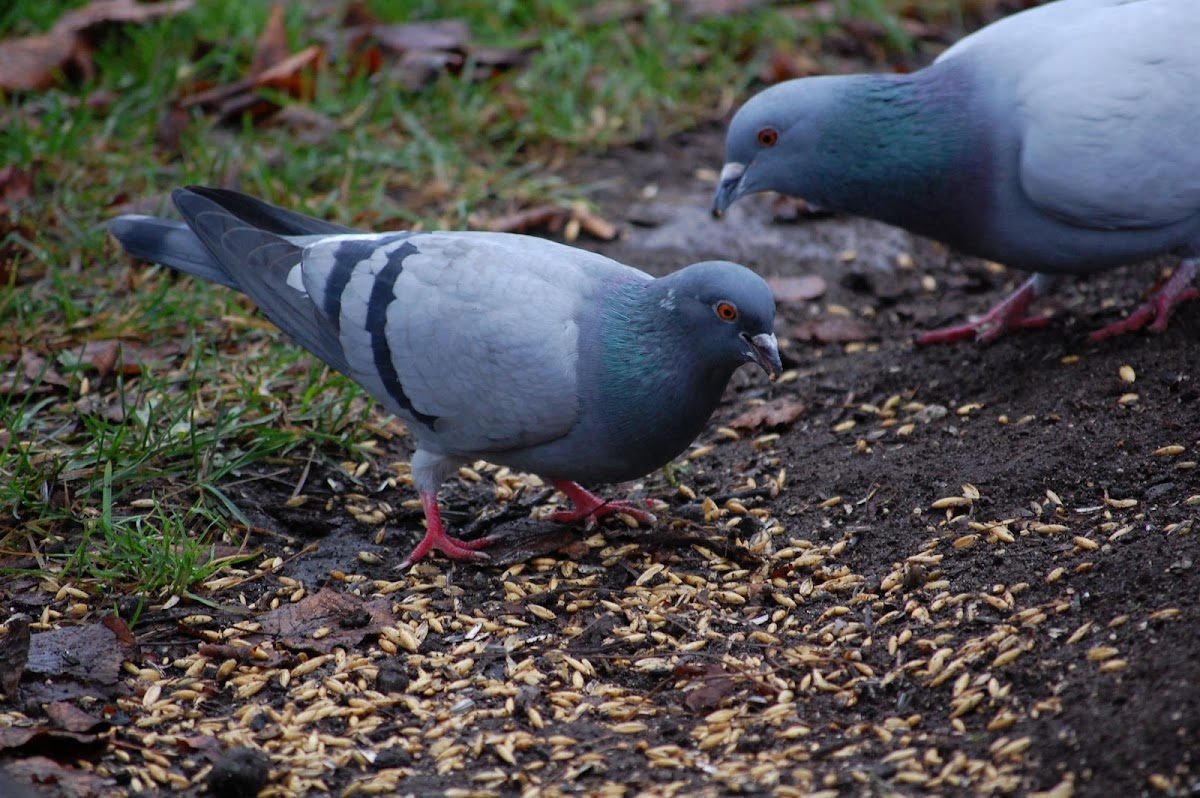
[54, 780]
[35, 63]
[16, 185]
[595, 226]
[272, 45]
[292, 76]
[715, 686]
[122, 357]
[440, 34]
[14, 652]
[120, 628]
[168, 133]
[103, 11]
[326, 620]
[89, 654]
[46, 741]
[32, 369]
[776, 413]
[789, 290]
[68, 717]
[552, 219]
[834, 330]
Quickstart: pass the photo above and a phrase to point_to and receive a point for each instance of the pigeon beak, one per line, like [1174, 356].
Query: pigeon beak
[764, 350]
[728, 187]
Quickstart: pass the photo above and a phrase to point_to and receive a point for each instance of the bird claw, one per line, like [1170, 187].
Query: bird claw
[1158, 308]
[592, 515]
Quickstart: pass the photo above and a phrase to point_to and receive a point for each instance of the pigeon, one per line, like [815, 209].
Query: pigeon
[1059, 140]
[491, 346]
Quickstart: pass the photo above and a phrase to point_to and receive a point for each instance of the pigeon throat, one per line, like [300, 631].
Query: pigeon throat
[900, 149]
[657, 381]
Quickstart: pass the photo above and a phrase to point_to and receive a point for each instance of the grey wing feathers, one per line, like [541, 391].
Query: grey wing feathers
[1110, 132]
[471, 334]
[264, 262]
[220, 246]
[169, 243]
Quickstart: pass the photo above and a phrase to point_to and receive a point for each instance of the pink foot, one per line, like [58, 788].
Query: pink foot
[590, 507]
[1008, 315]
[1177, 290]
[436, 538]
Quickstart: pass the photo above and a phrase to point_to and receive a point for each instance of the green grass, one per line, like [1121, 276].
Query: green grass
[119, 484]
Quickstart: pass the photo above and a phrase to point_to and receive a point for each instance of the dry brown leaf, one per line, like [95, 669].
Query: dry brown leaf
[325, 620]
[32, 369]
[788, 290]
[123, 357]
[292, 76]
[16, 184]
[776, 413]
[441, 34]
[14, 652]
[168, 133]
[595, 226]
[272, 45]
[34, 63]
[102, 11]
[834, 330]
[90, 654]
[715, 686]
[54, 780]
[68, 717]
[549, 217]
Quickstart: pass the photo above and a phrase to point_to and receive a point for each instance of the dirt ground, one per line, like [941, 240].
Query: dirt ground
[956, 570]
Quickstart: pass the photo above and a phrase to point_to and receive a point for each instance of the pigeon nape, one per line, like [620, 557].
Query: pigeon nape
[490, 346]
[1059, 140]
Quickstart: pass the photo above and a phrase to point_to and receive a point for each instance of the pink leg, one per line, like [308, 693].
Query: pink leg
[1008, 315]
[436, 538]
[1175, 291]
[591, 507]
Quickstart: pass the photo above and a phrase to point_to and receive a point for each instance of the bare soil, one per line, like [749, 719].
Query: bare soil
[958, 570]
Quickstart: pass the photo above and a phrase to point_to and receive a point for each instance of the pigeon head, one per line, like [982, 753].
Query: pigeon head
[773, 139]
[726, 311]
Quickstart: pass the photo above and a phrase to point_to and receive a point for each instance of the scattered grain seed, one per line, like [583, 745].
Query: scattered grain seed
[950, 501]
[1100, 653]
[1164, 615]
[1113, 665]
[1168, 451]
[1159, 782]
[1006, 658]
[544, 613]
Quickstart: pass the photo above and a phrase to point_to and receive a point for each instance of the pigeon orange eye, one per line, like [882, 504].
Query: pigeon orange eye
[726, 311]
[768, 136]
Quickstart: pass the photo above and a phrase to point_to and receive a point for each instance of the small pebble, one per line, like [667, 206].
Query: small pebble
[240, 772]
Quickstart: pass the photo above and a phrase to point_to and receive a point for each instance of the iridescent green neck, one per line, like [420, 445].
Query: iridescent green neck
[902, 149]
